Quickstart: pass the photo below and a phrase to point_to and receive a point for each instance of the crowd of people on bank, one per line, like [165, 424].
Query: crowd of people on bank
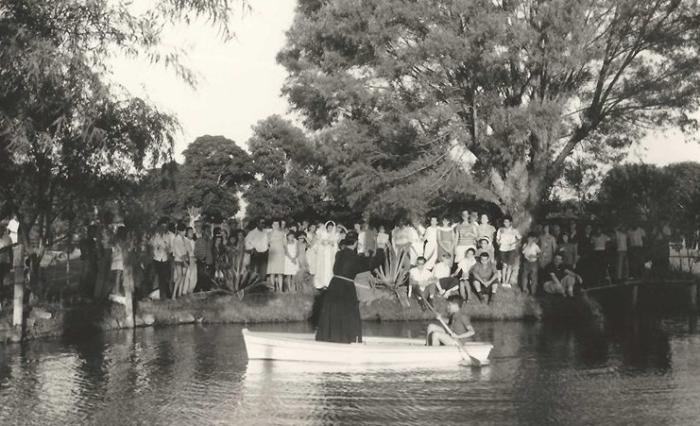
[178, 258]
[468, 257]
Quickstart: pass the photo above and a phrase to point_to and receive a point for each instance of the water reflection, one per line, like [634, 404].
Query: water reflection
[642, 371]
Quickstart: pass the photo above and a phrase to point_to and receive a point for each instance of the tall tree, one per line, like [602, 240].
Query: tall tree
[213, 174]
[495, 93]
[645, 192]
[685, 193]
[634, 192]
[289, 169]
[66, 134]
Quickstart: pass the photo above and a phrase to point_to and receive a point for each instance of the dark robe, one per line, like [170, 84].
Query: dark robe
[339, 320]
[89, 254]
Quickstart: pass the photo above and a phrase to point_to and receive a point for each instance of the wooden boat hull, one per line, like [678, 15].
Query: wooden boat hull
[373, 351]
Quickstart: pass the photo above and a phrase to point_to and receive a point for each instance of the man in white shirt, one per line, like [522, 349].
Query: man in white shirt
[257, 243]
[360, 239]
[622, 270]
[161, 258]
[181, 259]
[508, 239]
[531, 265]
[13, 228]
[635, 240]
[420, 278]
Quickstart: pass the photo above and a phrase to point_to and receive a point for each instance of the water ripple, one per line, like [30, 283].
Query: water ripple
[200, 376]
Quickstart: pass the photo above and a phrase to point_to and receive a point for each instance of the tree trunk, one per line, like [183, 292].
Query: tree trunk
[521, 192]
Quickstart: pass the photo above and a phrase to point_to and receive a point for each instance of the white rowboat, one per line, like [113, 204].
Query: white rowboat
[372, 351]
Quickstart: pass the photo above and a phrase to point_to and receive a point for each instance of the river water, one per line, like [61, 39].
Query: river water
[641, 371]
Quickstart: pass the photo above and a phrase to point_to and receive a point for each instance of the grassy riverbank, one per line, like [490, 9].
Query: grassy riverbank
[56, 319]
[290, 307]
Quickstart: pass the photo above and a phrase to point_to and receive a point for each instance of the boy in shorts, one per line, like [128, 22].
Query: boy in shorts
[484, 276]
[508, 239]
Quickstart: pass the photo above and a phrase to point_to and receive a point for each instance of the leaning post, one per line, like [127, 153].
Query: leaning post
[128, 284]
[18, 302]
[693, 290]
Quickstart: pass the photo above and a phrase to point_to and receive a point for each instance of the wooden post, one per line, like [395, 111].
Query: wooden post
[68, 268]
[693, 290]
[635, 295]
[128, 284]
[18, 303]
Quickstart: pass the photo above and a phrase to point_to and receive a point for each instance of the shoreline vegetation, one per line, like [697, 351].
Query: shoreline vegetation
[45, 320]
[55, 320]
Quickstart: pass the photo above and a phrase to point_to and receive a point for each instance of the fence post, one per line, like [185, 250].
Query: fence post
[635, 295]
[694, 294]
[128, 284]
[18, 302]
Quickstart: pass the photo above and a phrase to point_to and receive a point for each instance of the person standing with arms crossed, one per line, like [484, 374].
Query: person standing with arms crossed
[508, 239]
[466, 232]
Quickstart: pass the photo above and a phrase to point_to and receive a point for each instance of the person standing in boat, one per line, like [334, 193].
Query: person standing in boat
[339, 319]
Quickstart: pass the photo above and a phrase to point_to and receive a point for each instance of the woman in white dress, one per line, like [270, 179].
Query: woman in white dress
[191, 274]
[291, 267]
[430, 238]
[311, 248]
[415, 233]
[401, 243]
[327, 246]
[276, 257]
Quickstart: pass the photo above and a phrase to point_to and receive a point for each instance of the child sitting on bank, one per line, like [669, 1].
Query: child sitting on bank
[462, 272]
[442, 271]
[460, 327]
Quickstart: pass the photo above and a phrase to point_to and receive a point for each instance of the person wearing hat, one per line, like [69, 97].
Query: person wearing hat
[485, 247]
[339, 319]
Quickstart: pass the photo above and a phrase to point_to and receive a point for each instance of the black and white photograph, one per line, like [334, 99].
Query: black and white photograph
[349, 212]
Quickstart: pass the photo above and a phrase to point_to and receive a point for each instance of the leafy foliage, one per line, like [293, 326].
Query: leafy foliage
[241, 277]
[393, 274]
[214, 171]
[68, 138]
[488, 98]
[641, 192]
[290, 184]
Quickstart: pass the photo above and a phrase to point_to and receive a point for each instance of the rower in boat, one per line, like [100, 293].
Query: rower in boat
[339, 320]
[458, 327]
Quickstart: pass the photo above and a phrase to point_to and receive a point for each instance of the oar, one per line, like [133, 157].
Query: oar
[460, 347]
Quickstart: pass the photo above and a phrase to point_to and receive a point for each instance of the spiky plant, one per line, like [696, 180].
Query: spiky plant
[393, 275]
[239, 277]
